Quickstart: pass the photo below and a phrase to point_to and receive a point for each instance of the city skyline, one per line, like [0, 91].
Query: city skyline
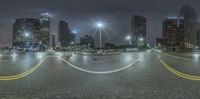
[99, 49]
[118, 20]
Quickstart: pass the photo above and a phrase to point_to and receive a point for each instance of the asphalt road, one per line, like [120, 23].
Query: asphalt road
[136, 75]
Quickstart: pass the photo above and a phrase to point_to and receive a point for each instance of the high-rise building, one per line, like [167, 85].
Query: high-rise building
[190, 25]
[198, 35]
[26, 32]
[88, 41]
[198, 38]
[65, 37]
[138, 28]
[45, 29]
[173, 33]
[53, 37]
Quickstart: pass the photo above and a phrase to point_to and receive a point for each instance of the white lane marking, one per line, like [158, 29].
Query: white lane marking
[99, 72]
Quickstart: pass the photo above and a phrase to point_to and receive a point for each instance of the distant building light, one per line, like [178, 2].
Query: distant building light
[44, 19]
[45, 14]
[175, 17]
[72, 43]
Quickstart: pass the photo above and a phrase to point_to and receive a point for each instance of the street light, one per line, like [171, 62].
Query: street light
[141, 39]
[128, 38]
[74, 31]
[72, 43]
[100, 25]
[26, 34]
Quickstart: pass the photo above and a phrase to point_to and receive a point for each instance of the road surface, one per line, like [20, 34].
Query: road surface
[134, 75]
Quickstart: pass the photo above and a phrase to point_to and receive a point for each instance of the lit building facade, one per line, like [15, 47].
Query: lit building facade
[173, 34]
[45, 29]
[138, 29]
[26, 32]
[65, 37]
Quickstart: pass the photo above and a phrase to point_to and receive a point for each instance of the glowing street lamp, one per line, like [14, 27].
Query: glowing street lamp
[72, 43]
[141, 39]
[26, 34]
[74, 31]
[129, 38]
[100, 25]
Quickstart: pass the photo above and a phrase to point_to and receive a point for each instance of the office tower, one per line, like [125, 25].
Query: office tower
[45, 29]
[65, 37]
[26, 32]
[173, 33]
[138, 28]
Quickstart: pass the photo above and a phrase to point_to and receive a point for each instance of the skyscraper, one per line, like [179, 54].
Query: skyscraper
[198, 35]
[26, 32]
[138, 28]
[53, 41]
[173, 30]
[190, 25]
[45, 29]
[65, 37]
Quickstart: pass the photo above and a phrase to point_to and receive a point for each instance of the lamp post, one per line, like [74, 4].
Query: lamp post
[129, 38]
[141, 41]
[100, 25]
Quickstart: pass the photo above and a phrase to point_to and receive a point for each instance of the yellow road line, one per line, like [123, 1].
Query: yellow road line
[186, 76]
[13, 77]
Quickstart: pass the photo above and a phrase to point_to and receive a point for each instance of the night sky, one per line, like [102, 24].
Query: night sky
[81, 15]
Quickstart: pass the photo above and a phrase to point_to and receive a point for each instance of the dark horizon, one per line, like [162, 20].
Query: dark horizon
[82, 14]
